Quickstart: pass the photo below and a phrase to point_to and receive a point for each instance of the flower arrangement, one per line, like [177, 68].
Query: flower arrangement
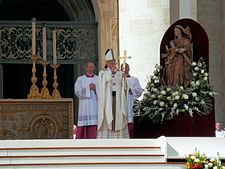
[161, 102]
[200, 161]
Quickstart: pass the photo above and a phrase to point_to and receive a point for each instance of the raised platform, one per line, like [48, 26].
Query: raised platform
[102, 153]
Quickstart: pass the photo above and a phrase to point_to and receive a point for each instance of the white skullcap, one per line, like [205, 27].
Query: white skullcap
[109, 55]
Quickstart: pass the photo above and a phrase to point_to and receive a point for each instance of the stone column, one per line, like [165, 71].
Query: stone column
[211, 17]
[188, 9]
[108, 35]
[174, 11]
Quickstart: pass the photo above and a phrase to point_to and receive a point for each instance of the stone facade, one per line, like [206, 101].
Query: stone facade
[211, 16]
[142, 25]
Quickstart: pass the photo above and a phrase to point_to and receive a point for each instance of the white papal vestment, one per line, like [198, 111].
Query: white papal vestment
[108, 83]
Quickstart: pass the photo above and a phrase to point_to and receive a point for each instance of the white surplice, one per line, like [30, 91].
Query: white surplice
[88, 101]
[107, 84]
[135, 91]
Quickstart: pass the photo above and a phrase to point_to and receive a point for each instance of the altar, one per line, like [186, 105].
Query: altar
[36, 118]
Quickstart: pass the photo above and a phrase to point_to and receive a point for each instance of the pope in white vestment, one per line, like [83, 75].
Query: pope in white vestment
[134, 92]
[86, 90]
[112, 117]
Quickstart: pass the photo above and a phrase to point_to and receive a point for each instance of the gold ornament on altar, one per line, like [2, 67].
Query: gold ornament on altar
[44, 91]
[55, 93]
[34, 90]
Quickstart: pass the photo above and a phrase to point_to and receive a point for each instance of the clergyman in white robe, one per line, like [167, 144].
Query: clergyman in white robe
[88, 107]
[134, 92]
[112, 107]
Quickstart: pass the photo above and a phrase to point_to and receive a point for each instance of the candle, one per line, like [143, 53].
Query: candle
[54, 47]
[44, 44]
[33, 36]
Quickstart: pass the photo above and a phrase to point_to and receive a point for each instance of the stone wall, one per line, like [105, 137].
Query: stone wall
[210, 14]
[141, 27]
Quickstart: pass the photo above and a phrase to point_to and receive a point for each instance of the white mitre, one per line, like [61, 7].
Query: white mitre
[109, 55]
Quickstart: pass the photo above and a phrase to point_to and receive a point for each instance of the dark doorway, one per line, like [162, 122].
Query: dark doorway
[17, 80]
[47, 10]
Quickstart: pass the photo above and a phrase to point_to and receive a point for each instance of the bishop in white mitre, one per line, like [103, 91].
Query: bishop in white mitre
[112, 117]
[86, 90]
[134, 92]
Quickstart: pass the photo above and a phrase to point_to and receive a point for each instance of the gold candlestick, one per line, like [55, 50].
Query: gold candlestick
[55, 93]
[34, 90]
[44, 91]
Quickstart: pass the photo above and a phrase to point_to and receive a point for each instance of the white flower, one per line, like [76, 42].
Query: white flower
[212, 159]
[154, 89]
[161, 104]
[168, 89]
[175, 93]
[200, 64]
[202, 71]
[196, 68]
[206, 74]
[177, 97]
[185, 96]
[186, 106]
[181, 87]
[194, 94]
[163, 92]
[215, 167]
[194, 64]
[160, 96]
[197, 160]
[153, 96]
[194, 74]
[197, 99]
[197, 83]
[193, 83]
[175, 105]
[210, 164]
[192, 157]
[205, 78]
[168, 98]
[155, 102]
